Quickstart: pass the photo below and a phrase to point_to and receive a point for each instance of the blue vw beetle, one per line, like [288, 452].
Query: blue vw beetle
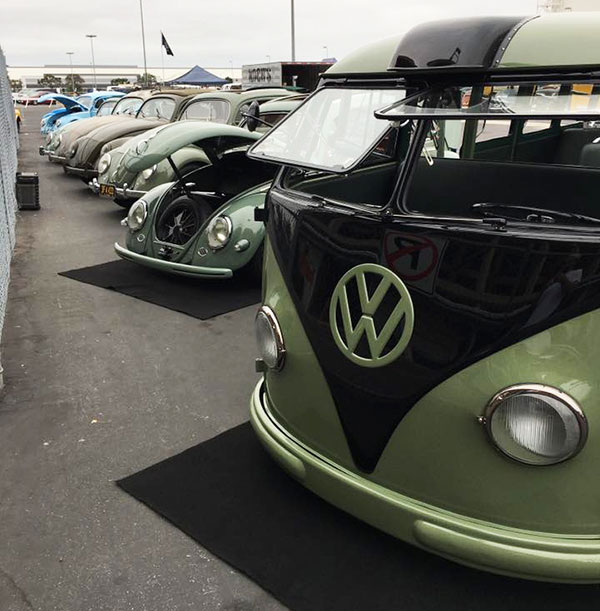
[81, 107]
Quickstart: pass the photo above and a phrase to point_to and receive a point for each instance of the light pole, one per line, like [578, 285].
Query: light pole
[326, 51]
[293, 34]
[144, 45]
[70, 54]
[91, 37]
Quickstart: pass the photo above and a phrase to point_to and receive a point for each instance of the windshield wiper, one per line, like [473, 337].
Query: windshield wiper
[532, 215]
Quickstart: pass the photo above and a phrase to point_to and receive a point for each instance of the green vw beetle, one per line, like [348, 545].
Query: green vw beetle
[203, 223]
[431, 296]
[125, 186]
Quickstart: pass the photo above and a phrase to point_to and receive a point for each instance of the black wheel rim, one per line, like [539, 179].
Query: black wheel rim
[178, 224]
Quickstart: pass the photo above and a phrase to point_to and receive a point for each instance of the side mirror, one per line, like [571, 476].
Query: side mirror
[252, 116]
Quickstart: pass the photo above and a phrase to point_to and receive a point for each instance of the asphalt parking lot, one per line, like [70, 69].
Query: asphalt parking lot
[99, 385]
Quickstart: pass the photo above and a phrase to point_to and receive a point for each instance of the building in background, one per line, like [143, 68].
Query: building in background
[558, 6]
[304, 75]
[29, 75]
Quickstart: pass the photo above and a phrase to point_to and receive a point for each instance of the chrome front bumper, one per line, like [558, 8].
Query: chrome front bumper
[80, 172]
[169, 266]
[121, 192]
[55, 158]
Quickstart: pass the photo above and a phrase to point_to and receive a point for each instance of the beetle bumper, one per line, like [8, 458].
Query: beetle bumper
[56, 158]
[486, 546]
[120, 192]
[170, 266]
[84, 173]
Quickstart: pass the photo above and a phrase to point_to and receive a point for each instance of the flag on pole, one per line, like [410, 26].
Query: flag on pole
[165, 44]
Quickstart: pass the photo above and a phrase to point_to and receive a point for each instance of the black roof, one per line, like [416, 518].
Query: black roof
[467, 44]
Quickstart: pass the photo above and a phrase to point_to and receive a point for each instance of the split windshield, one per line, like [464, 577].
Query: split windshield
[334, 130]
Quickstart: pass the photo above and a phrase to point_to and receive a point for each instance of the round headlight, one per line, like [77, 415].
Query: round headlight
[73, 150]
[269, 338]
[141, 147]
[148, 172]
[137, 215]
[104, 163]
[218, 231]
[536, 424]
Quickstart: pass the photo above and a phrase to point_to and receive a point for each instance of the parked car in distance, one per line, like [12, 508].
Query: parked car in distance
[201, 225]
[74, 109]
[165, 106]
[30, 97]
[428, 333]
[161, 107]
[18, 118]
[115, 181]
[59, 142]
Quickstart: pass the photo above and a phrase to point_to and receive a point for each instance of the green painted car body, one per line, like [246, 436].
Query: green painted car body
[198, 259]
[230, 185]
[130, 185]
[495, 306]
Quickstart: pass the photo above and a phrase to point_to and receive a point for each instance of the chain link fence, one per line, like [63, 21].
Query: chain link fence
[9, 143]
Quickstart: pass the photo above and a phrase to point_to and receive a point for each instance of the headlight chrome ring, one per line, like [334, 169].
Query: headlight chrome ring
[535, 424]
[219, 231]
[269, 338]
[137, 215]
[104, 163]
[148, 172]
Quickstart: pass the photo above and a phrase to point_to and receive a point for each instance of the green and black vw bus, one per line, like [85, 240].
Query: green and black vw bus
[430, 327]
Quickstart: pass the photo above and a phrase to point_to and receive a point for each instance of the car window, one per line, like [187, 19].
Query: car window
[85, 100]
[127, 106]
[157, 108]
[106, 108]
[215, 111]
[540, 166]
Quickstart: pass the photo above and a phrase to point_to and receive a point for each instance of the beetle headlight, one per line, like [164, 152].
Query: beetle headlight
[148, 172]
[141, 147]
[269, 338]
[59, 139]
[73, 150]
[104, 163]
[218, 231]
[137, 215]
[536, 424]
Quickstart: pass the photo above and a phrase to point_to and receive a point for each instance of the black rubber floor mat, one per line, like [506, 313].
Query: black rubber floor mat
[196, 297]
[230, 496]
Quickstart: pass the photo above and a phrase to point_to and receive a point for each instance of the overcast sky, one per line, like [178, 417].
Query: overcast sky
[213, 33]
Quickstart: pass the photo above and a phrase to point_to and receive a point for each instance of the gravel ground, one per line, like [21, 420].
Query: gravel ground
[98, 386]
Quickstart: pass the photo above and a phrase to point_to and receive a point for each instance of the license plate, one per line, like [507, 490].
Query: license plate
[107, 190]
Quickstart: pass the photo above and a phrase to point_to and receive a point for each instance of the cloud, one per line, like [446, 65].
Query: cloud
[37, 32]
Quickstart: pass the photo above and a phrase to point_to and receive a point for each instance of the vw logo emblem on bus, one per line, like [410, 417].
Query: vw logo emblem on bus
[371, 301]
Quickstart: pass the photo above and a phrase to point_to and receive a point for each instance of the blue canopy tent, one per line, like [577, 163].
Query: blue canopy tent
[198, 76]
